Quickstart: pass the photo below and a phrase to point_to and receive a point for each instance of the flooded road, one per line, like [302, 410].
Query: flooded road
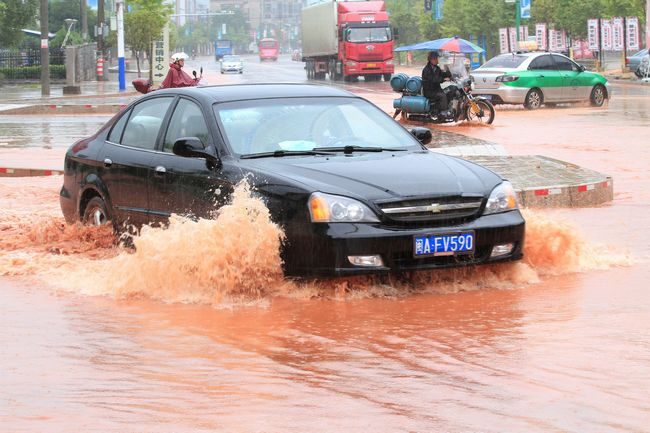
[96, 337]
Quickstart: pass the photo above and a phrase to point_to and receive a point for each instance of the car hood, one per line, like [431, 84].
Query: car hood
[379, 176]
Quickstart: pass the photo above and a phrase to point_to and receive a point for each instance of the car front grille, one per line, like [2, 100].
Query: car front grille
[432, 210]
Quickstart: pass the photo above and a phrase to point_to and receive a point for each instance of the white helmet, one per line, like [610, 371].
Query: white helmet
[179, 56]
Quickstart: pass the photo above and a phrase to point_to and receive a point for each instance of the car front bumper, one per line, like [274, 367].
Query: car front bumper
[503, 94]
[237, 69]
[325, 249]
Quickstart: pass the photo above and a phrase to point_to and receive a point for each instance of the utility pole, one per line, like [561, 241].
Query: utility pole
[100, 28]
[45, 50]
[517, 21]
[84, 20]
[120, 45]
[647, 24]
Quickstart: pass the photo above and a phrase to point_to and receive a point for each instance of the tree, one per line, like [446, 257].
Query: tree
[14, 16]
[60, 10]
[143, 25]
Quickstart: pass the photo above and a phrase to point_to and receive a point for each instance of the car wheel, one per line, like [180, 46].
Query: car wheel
[222, 72]
[95, 213]
[534, 99]
[598, 95]
[387, 77]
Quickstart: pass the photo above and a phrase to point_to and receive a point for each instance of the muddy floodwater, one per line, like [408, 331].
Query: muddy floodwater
[192, 332]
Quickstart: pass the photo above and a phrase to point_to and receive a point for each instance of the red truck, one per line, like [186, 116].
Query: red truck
[346, 40]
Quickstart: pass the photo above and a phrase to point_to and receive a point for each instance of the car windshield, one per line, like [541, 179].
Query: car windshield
[505, 61]
[368, 34]
[231, 59]
[302, 124]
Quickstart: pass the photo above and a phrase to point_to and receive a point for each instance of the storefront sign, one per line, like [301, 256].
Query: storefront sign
[593, 36]
[632, 33]
[541, 36]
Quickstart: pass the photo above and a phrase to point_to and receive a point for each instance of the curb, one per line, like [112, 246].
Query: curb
[49, 109]
[28, 172]
[585, 195]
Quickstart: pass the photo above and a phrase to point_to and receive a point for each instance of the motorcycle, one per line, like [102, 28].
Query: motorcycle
[462, 105]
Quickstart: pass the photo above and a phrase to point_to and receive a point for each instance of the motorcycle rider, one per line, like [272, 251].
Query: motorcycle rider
[432, 77]
[176, 77]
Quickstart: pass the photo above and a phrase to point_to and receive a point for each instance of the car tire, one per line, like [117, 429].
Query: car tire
[96, 213]
[387, 77]
[534, 99]
[598, 95]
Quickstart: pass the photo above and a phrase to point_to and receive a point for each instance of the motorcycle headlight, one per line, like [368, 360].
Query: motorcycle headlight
[502, 199]
[326, 208]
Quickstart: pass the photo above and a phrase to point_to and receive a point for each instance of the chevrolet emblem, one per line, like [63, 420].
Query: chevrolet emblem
[433, 208]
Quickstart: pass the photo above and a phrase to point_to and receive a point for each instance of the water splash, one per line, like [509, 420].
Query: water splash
[235, 257]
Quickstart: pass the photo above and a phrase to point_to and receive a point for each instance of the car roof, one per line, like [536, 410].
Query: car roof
[240, 92]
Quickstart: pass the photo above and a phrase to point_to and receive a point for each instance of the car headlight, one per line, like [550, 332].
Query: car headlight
[326, 208]
[506, 78]
[502, 199]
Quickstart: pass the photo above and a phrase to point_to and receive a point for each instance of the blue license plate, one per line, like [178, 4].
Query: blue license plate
[443, 245]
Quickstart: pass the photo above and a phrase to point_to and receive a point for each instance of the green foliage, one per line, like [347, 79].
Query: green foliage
[144, 24]
[32, 72]
[484, 17]
[206, 31]
[60, 10]
[73, 39]
[14, 16]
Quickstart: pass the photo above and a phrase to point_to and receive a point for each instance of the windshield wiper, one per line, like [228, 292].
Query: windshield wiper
[281, 153]
[351, 149]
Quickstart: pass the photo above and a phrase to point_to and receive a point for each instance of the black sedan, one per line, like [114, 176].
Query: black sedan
[353, 190]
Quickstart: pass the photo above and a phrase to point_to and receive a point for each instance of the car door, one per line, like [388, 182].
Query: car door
[572, 89]
[546, 77]
[126, 158]
[185, 185]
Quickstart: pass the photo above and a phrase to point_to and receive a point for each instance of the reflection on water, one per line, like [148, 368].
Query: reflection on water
[55, 131]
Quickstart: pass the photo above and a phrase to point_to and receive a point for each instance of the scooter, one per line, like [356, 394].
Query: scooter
[144, 85]
[462, 104]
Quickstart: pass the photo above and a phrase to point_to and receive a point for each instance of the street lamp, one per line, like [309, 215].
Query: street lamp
[70, 23]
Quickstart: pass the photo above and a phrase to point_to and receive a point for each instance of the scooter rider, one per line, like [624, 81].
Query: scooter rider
[176, 77]
[432, 77]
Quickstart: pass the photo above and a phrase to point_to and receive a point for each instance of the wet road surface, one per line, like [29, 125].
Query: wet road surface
[94, 338]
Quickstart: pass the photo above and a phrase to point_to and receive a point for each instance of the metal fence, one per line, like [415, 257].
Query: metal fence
[25, 63]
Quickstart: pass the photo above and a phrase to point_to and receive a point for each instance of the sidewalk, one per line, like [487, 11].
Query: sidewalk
[539, 181]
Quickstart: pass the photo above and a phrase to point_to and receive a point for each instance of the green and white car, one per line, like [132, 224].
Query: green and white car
[538, 78]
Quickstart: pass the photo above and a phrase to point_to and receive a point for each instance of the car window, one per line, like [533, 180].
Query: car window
[303, 124]
[144, 124]
[116, 133]
[505, 61]
[187, 121]
[564, 64]
[543, 63]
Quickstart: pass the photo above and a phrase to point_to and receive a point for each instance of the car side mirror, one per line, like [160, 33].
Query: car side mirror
[192, 147]
[423, 135]
[582, 68]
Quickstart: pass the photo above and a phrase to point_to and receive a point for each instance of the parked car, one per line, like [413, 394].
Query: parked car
[231, 63]
[634, 60]
[538, 78]
[354, 191]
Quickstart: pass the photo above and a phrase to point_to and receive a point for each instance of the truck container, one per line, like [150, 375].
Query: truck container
[346, 40]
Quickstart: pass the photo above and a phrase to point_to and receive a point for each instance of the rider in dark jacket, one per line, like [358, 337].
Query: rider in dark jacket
[432, 77]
